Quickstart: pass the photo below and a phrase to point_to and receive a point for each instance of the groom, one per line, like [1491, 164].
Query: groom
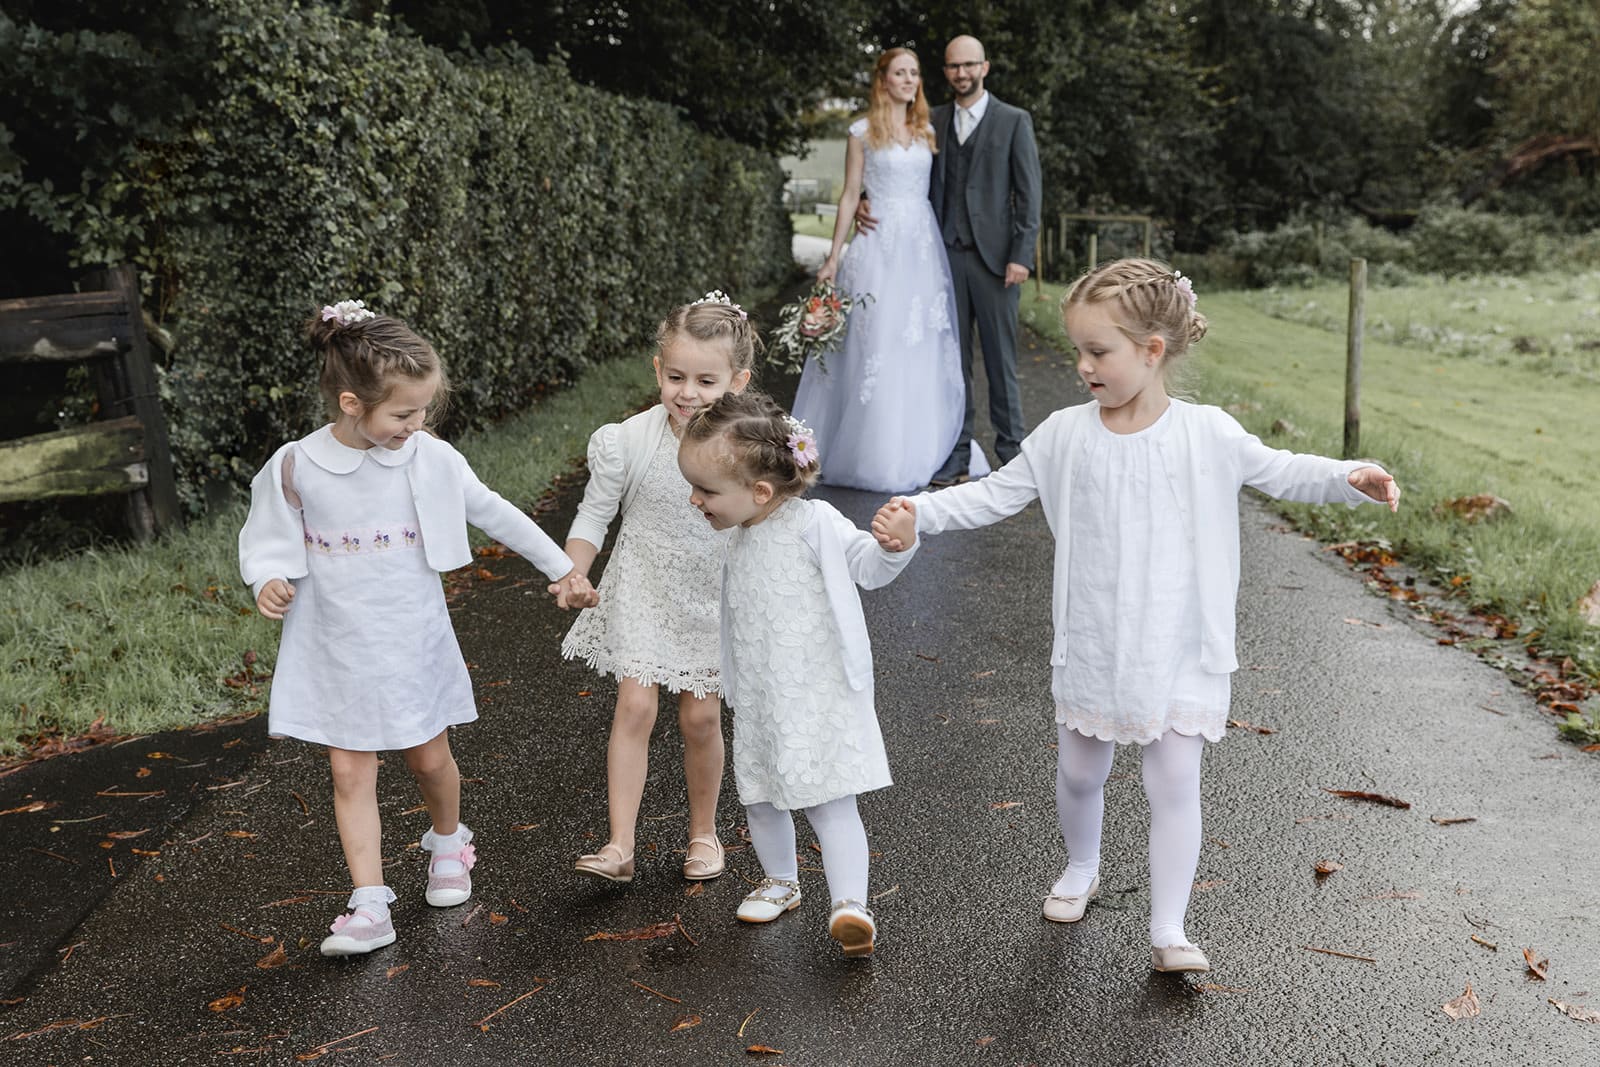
[985, 193]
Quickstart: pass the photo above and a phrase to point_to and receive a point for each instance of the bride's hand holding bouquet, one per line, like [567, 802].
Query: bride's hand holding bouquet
[813, 325]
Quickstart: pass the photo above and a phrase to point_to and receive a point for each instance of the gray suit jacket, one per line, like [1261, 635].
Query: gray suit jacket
[1002, 187]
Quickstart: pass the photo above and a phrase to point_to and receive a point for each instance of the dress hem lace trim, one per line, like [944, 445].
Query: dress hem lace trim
[648, 674]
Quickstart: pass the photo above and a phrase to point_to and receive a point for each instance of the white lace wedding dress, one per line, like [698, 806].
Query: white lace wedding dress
[888, 409]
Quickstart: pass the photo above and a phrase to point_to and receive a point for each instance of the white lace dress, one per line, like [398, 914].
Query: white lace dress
[801, 735]
[1132, 667]
[658, 619]
[888, 409]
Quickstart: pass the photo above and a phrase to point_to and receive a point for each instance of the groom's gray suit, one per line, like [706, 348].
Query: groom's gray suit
[986, 195]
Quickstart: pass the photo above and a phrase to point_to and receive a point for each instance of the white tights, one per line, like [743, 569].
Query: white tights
[839, 831]
[1171, 767]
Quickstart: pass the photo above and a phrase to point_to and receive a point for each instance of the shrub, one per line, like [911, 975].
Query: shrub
[525, 224]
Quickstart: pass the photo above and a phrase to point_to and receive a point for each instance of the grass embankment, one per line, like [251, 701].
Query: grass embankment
[1483, 386]
[813, 225]
[146, 637]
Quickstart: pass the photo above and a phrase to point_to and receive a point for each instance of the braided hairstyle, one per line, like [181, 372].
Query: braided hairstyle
[1150, 299]
[712, 321]
[364, 358]
[755, 432]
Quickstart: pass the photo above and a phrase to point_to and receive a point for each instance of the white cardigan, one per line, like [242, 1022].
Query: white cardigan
[848, 556]
[1208, 456]
[446, 493]
[619, 455]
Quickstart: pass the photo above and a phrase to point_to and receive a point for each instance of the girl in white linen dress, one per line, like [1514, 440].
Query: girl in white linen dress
[796, 660]
[348, 530]
[657, 624]
[1141, 491]
[891, 403]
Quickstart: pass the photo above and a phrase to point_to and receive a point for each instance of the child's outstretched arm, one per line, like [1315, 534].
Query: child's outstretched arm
[982, 503]
[1378, 484]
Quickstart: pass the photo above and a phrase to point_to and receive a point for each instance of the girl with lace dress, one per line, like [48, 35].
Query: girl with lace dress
[796, 661]
[891, 404]
[657, 622]
[1141, 491]
[348, 530]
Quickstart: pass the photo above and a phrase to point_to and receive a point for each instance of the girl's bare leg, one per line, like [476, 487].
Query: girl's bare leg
[433, 765]
[700, 720]
[355, 809]
[628, 759]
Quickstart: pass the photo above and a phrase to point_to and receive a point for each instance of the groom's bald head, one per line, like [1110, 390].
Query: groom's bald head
[965, 67]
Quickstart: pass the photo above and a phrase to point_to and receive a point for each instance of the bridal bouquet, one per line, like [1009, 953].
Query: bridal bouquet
[813, 326]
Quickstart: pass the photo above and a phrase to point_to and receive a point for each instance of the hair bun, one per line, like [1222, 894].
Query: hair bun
[1197, 327]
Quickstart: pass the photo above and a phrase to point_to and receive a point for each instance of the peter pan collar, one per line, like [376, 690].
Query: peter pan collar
[327, 452]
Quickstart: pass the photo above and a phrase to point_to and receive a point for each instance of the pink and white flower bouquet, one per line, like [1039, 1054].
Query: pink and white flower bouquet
[813, 326]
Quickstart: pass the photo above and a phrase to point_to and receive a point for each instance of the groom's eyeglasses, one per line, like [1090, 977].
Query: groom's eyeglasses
[953, 67]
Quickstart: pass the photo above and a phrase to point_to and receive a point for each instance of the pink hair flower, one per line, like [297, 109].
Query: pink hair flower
[802, 442]
[1186, 287]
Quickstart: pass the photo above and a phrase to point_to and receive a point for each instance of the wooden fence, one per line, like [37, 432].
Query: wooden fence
[126, 450]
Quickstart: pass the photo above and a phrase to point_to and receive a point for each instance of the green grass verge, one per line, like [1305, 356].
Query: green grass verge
[144, 637]
[813, 225]
[1447, 424]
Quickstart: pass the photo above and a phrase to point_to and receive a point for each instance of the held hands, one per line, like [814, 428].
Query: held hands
[1378, 484]
[275, 598]
[895, 525]
[573, 590]
[865, 222]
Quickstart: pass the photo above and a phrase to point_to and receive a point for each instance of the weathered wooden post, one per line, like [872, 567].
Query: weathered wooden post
[1094, 249]
[1145, 244]
[1352, 360]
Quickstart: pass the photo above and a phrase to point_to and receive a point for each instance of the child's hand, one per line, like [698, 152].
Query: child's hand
[275, 598]
[895, 525]
[1378, 484]
[573, 590]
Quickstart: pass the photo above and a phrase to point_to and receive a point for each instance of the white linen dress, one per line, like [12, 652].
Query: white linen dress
[888, 409]
[802, 736]
[658, 620]
[1132, 669]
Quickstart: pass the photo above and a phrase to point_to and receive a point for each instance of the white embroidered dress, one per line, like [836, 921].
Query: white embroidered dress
[658, 617]
[888, 409]
[802, 733]
[368, 659]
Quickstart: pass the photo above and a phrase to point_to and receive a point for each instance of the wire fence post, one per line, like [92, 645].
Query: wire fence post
[1352, 359]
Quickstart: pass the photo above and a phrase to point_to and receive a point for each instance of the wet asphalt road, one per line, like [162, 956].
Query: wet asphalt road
[1359, 696]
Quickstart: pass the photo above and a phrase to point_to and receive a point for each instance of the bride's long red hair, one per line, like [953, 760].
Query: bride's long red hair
[881, 108]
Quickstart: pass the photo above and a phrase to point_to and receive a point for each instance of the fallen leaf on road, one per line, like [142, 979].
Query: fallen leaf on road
[228, 1000]
[985, 1042]
[983, 674]
[483, 983]
[1327, 867]
[1572, 1011]
[495, 918]
[684, 1022]
[1210, 883]
[1537, 968]
[398, 968]
[1376, 798]
[1240, 724]
[641, 933]
[1213, 987]
[142, 772]
[1451, 820]
[764, 1050]
[525, 826]
[1463, 1007]
[1490, 945]
[37, 805]
[245, 834]
[126, 835]
[276, 958]
[695, 889]
[1002, 805]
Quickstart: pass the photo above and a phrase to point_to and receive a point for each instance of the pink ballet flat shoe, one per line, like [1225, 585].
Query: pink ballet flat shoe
[448, 890]
[699, 869]
[1060, 909]
[851, 925]
[609, 863]
[357, 932]
[1174, 958]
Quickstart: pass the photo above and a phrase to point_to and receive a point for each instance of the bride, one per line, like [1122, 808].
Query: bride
[888, 409]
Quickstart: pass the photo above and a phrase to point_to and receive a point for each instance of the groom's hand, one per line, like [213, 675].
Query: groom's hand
[1016, 274]
[865, 222]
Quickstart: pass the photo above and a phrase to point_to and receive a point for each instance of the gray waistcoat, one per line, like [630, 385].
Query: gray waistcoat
[957, 165]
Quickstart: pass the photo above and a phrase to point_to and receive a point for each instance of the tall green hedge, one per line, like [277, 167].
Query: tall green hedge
[525, 224]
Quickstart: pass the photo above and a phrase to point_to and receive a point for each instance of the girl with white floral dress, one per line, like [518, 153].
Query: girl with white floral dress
[1141, 490]
[796, 660]
[348, 530]
[657, 624]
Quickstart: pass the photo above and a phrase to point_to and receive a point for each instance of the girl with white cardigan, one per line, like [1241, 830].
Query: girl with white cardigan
[796, 662]
[1141, 491]
[657, 621]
